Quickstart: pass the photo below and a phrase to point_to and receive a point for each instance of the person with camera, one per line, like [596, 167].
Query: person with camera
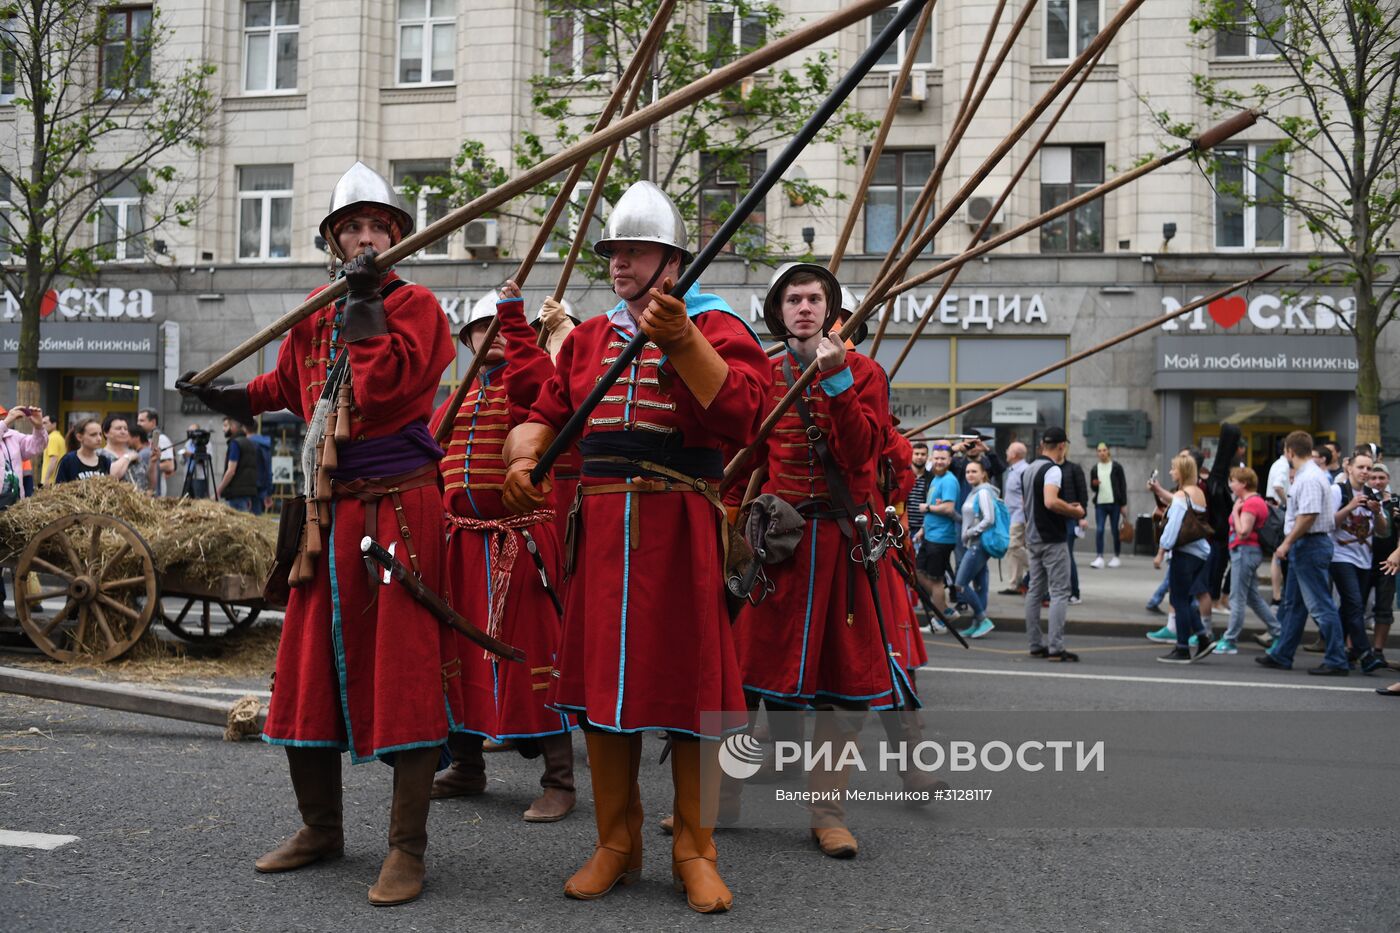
[1382, 546]
[1358, 518]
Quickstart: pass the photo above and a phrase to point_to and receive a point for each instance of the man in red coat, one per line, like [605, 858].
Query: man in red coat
[647, 642]
[816, 640]
[362, 667]
[500, 563]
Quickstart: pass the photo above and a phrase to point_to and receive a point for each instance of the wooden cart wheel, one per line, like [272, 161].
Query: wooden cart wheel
[206, 625]
[97, 592]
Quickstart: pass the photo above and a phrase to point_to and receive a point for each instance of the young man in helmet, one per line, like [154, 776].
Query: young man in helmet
[505, 570]
[646, 642]
[816, 640]
[362, 667]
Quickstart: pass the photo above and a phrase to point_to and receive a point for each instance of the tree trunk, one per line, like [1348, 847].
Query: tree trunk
[1368, 378]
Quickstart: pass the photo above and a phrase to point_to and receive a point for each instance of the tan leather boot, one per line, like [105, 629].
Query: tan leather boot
[401, 875]
[905, 726]
[614, 761]
[558, 798]
[694, 868]
[466, 776]
[829, 787]
[316, 782]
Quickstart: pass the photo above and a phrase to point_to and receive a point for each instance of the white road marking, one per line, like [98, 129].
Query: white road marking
[217, 691]
[1124, 678]
[19, 840]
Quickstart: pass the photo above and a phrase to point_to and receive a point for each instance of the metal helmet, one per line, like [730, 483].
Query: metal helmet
[644, 214]
[361, 187]
[484, 309]
[773, 301]
[848, 307]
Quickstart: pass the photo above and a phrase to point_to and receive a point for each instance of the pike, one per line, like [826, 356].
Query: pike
[585, 148]
[434, 603]
[848, 83]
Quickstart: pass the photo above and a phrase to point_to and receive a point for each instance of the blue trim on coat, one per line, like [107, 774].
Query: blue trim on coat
[338, 642]
[298, 743]
[807, 619]
[407, 746]
[626, 584]
[838, 382]
[620, 731]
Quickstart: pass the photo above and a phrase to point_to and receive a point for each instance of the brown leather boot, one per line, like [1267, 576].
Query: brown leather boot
[401, 876]
[905, 726]
[829, 786]
[466, 776]
[316, 783]
[558, 798]
[617, 807]
[694, 869]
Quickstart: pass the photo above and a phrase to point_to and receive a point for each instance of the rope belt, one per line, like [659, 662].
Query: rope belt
[370, 490]
[501, 551]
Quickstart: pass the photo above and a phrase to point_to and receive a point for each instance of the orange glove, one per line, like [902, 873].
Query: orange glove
[524, 446]
[696, 361]
[665, 320]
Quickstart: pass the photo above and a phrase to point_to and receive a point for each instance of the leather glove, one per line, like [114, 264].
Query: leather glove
[696, 361]
[231, 400]
[524, 446]
[553, 315]
[665, 320]
[364, 308]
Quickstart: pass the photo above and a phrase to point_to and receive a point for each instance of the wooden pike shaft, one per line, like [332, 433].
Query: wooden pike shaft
[1097, 348]
[125, 697]
[878, 146]
[757, 60]
[987, 221]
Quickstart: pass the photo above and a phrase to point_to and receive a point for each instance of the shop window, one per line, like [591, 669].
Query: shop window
[427, 41]
[270, 33]
[264, 212]
[1250, 184]
[1022, 415]
[124, 59]
[899, 177]
[1069, 21]
[427, 203]
[723, 183]
[1067, 172]
[576, 46]
[895, 54]
[731, 35]
[1256, 26]
[119, 225]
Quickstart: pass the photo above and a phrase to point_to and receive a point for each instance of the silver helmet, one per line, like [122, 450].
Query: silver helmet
[773, 301]
[484, 309]
[644, 214]
[361, 187]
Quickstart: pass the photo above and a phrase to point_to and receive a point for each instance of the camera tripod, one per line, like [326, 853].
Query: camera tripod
[200, 470]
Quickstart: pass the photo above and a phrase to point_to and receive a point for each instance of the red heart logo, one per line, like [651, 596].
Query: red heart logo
[1227, 312]
[49, 303]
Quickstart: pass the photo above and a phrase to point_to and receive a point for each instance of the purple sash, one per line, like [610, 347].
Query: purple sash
[390, 455]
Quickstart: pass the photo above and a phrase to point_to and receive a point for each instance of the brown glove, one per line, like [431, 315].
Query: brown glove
[697, 362]
[524, 446]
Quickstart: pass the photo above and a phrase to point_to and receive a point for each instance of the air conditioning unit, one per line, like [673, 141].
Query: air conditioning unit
[976, 209]
[481, 234]
[915, 90]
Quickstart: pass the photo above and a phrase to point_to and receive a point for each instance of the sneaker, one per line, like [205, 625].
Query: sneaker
[1097, 562]
[1162, 634]
[1317, 647]
[1075, 600]
[1040, 652]
[1177, 655]
[1155, 608]
[1226, 646]
[968, 632]
[1204, 646]
[1371, 661]
[1114, 563]
[936, 627]
[983, 629]
[1264, 639]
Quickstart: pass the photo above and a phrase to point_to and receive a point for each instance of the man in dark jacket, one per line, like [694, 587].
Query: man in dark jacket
[1110, 489]
[1220, 502]
[1075, 490]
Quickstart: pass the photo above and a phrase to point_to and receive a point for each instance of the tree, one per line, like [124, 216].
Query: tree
[704, 156]
[91, 169]
[1337, 120]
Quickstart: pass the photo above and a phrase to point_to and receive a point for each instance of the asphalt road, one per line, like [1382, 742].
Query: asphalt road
[169, 819]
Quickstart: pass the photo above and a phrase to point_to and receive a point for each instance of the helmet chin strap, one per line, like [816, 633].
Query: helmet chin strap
[661, 267]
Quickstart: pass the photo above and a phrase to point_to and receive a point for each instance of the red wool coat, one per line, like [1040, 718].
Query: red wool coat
[647, 642]
[504, 699]
[363, 667]
[908, 641]
[816, 637]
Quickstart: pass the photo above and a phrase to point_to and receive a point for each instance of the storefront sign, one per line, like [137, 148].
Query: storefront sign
[1014, 411]
[1312, 363]
[1266, 312]
[964, 310]
[1117, 428]
[87, 303]
[87, 346]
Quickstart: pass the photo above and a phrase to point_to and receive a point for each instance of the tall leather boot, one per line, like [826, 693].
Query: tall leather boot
[558, 798]
[614, 760]
[905, 726]
[694, 868]
[829, 787]
[401, 875]
[466, 776]
[316, 782]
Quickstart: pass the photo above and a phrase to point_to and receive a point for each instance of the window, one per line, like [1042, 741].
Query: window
[427, 40]
[264, 212]
[563, 237]
[1067, 172]
[9, 60]
[1249, 189]
[1070, 18]
[119, 224]
[731, 35]
[899, 177]
[723, 182]
[894, 55]
[9, 234]
[427, 203]
[1248, 36]
[270, 45]
[125, 58]
[576, 47]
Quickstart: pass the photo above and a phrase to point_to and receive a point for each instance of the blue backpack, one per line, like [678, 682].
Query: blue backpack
[996, 540]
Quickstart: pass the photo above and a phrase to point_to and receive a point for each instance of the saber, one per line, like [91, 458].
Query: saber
[435, 604]
[534, 550]
[911, 577]
[872, 577]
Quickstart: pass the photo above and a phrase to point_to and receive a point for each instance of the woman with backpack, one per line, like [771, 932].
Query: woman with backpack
[1187, 535]
[1246, 520]
[979, 515]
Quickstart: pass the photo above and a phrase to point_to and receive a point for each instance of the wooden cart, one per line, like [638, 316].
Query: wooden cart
[86, 587]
